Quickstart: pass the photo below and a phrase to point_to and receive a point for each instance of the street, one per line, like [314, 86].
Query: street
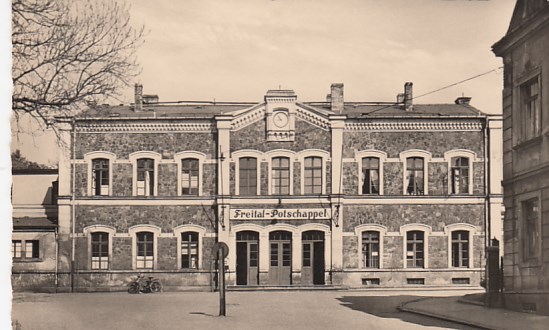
[245, 310]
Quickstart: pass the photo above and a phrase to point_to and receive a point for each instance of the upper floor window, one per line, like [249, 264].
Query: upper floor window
[370, 176]
[370, 249]
[99, 250]
[313, 175]
[25, 249]
[415, 249]
[530, 234]
[100, 177]
[145, 177]
[280, 176]
[189, 176]
[247, 179]
[415, 176]
[189, 250]
[460, 248]
[145, 250]
[459, 175]
[530, 110]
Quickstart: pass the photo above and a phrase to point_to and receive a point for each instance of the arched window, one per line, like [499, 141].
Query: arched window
[189, 250]
[459, 175]
[145, 250]
[460, 248]
[100, 177]
[99, 250]
[370, 249]
[415, 174]
[415, 249]
[280, 176]
[247, 179]
[370, 176]
[190, 176]
[313, 175]
[145, 177]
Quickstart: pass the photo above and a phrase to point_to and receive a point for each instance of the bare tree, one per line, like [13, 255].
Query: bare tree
[67, 54]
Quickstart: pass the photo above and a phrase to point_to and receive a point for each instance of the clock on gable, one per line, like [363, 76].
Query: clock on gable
[280, 113]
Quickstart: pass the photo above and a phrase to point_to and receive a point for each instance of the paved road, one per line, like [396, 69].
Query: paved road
[245, 310]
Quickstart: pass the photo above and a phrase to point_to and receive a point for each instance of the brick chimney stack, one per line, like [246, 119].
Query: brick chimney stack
[138, 105]
[337, 98]
[408, 96]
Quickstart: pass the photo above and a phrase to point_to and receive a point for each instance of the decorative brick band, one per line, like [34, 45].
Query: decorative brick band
[145, 127]
[415, 126]
[313, 118]
[248, 118]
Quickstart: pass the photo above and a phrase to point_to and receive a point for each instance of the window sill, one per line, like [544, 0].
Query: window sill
[22, 261]
[529, 143]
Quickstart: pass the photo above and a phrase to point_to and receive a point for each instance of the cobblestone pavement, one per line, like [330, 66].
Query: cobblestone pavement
[245, 310]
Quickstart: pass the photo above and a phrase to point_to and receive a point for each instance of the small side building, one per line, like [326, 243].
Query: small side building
[34, 237]
[525, 53]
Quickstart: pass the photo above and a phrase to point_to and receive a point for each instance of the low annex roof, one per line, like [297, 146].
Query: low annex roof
[34, 223]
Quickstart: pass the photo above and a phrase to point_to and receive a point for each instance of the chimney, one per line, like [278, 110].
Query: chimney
[138, 105]
[337, 98]
[400, 98]
[329, 98]
[408, 96]
[463, 100]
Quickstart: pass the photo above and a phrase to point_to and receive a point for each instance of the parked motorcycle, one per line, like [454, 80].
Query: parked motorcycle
[144, 285]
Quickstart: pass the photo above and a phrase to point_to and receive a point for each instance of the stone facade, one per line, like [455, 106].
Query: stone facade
[525, 157]
[312, 233]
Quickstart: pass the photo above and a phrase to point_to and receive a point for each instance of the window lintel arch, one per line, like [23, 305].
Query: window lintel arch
[415, 227]
[252, 153]
[190, 154]
[448, 155]
[280, 226]
[189, 227]
[370, 153]
[88, 157]
[247, 227]
[281, 153]
[314, 226]
[426, 155]
[99, 228]
[134, 156]
[460, 226]
[139, 228]
[370, 227]
[301, 155]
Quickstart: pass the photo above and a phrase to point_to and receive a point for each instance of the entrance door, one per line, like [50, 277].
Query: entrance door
[280, 270]
[312, 271]
[247, 258]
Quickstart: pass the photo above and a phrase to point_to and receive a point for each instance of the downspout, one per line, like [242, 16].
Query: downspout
[486, 201]
[73, 204]
[56, 279]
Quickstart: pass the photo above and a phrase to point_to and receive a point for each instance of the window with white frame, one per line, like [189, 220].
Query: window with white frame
[190, 170]
[313, 176]
[99, 250]
[530, 234]
[145, 250]
[280, 176]
[415, 249]
[247, 179]
[100, 177]
[189, 250]
[460, 248]
[530, 110]
[145, 177]
[25, 249]
[459, 176]
[415, 176]
[370, 176]
[370, 249]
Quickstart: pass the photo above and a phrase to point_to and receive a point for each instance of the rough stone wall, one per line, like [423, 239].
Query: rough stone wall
[478, 178]
[438, 179]
[264, 179]
[394, 216]
[121, 253]
[122, 180]
[81, 180]
[207, 252]
[122, 218]
[350, 178]
[392, 252]
[350, 252]
[438, 251]
[209, 180]
[167, 253]
[167, 180]
[393, 143]
[393, 178]
[232, 178]
[328, 177]
[307, 137]
[167, 144]
[297, 178]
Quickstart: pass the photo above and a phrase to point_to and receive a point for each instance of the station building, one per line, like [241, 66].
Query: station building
[332, 193]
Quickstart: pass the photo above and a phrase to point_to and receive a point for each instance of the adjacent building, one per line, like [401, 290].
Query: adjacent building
[333, 193]
[524, 50]
[34, 236]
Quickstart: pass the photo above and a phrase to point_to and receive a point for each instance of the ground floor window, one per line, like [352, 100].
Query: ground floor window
[145, 252]
[415, 245]
[100, 250]
[460, 248]
[370, 249]
[189, 250]
[25, 249]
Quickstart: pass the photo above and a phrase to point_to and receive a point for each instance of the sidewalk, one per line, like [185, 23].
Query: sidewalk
[449, 308]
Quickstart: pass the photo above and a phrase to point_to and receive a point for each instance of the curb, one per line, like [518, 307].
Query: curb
[403, 308]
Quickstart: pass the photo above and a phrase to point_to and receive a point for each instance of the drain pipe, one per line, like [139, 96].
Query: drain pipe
[73, 205]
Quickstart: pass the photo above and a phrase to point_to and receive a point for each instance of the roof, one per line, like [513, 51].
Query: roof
[35, 223]
[524, 11]
[208, 110]
[34, 171]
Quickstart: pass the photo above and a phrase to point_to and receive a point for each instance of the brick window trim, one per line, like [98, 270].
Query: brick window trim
[382, 156]
[179, 157]
[472, 230]
[133, 231]
[88, 159]
[88, 231]
[134, 157]
[418, 153]
[427, 231]
[382, 230]
[201, 234]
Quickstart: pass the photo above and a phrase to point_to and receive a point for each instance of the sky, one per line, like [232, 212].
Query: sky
[235, 50]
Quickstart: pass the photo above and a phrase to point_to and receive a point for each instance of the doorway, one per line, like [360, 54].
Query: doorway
[247, 258]
[280, 263]
[312, 270]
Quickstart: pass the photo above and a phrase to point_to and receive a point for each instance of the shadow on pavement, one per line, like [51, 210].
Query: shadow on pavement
[386, 307]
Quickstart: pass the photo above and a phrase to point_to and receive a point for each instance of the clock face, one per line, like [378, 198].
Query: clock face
[280, 119]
